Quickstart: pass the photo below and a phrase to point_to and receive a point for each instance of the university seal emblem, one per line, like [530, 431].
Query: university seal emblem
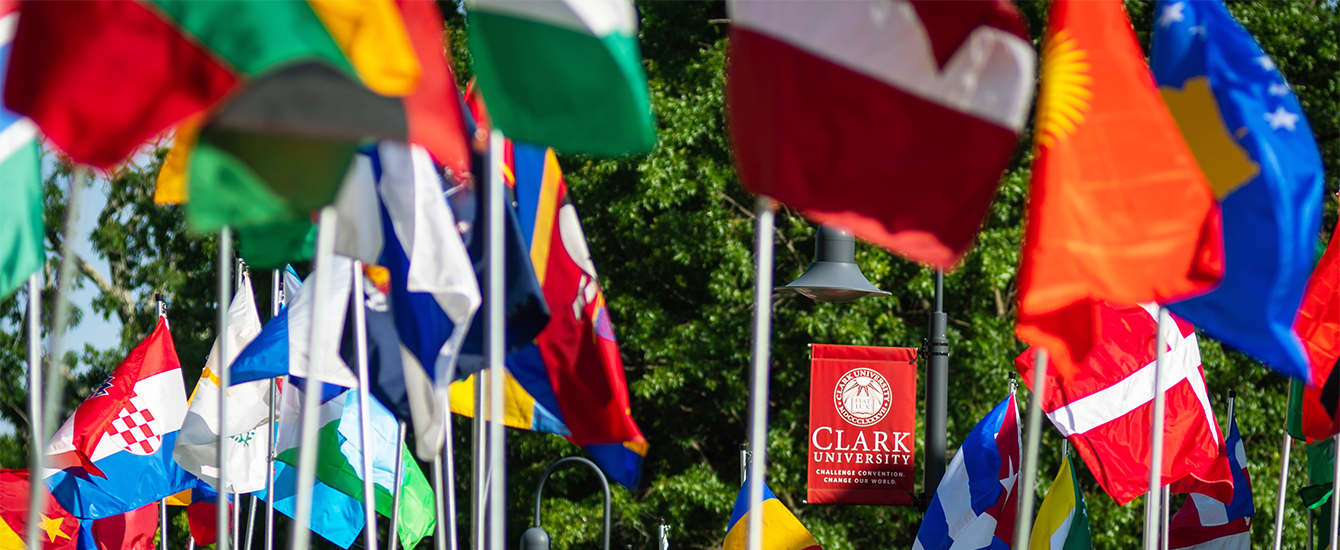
[862, 397]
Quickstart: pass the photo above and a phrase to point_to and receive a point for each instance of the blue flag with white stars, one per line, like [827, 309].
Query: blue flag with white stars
[1254, 144]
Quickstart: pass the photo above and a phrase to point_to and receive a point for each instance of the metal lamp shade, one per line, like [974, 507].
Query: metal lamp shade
[834, 276]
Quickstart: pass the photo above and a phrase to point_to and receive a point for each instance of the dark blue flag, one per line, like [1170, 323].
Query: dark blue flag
[1252, 140]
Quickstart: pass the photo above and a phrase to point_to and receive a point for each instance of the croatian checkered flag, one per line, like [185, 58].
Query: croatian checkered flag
[114, 455]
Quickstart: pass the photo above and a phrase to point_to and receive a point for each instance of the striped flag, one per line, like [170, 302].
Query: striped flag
[1204, 523]
[1063, 521]
[20, 170]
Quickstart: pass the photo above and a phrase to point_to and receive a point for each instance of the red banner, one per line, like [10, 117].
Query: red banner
[862, 425]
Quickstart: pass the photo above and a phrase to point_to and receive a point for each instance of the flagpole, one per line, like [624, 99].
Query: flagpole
[301, 535]
[758, 387]
[394, 535]
[251, 522]
[1163, 517]
[55, 383]
[493, 342]
[447, 490]
[477, 461]
[1156, 439]
[1280, 495]
[162, 524]
[364, 407]
[35, 447]
[224, 288]
[276, 298]
[236, 508]
[440, 542]
[1334, 543]
[1023, 523]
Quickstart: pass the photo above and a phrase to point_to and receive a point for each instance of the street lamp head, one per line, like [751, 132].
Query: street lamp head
[834, 276]
[535, 538]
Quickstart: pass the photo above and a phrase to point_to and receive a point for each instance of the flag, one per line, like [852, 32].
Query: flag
[133, 530]
[60, 530]
[1249, 135]
[1204, 523]
[570, 380]
[201, 504]
[116, 449]
[248, 411]
[1311, 409]
[890, 119]
[21, 227]
[340, 466]
[565, 73]
[283, 345]
[781, 529]
[337, 517]
[433, 291]
[975, 505]
[157, 62]
[1106, 407]
[1317, 494]
[1063, 521]
[1145, 229]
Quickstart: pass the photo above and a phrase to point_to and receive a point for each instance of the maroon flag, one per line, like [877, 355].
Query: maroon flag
[862, 425]
[891, 119]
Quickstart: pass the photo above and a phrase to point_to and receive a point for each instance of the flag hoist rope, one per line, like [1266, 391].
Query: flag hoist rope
[55, 382]
[493, 346]
[301, 536]
[225, 292]
[276, 298]
[364, 405]
[758, 385]
[1028, 469]
[1152, 504]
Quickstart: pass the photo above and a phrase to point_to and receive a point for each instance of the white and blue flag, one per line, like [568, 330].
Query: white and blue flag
[974, 507]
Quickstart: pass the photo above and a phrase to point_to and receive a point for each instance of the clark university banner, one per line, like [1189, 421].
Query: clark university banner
[862, 425]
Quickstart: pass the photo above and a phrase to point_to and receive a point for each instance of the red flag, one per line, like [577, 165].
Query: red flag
[891, 119]
[133, 530]
[1119, 210]
[1318, 326]
[59, 529]
[1105, 408]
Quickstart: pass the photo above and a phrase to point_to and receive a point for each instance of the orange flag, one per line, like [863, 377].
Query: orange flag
[1119, 209]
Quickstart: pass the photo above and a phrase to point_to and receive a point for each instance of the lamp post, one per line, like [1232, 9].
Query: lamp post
[833, 276]
[536, 538]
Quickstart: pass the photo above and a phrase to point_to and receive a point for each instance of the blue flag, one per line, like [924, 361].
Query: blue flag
[1252, 140]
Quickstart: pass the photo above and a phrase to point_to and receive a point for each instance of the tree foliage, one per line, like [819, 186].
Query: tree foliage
[672, 233]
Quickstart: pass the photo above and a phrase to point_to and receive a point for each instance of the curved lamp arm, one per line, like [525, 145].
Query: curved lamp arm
[539, 491]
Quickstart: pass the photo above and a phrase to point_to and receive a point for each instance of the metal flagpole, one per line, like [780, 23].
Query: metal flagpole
[276, 298]
[1163, 517]
[441, 539]
[447, 490]
[744, 462]
[394, 534]
[162, 524]
[1023, 524]
[251, 522]
[225, 293]
[237, 518]
[493, 346]
[55, 382]
[937, 393]
[302, 510]
[1334, 541]
[36, 447]
[758, 387]
[1280, 495]
[364, 407]
[190, 543]
[480, 436]
[1156, 438]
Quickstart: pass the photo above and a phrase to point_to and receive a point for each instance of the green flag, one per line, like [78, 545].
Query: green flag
[1062, 522]
[563, 73]
[340, 464]
[1294, 420]
[20, 210]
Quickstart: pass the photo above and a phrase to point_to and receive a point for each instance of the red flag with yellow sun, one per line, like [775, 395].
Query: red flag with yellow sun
[59, 530]
[1119, 209]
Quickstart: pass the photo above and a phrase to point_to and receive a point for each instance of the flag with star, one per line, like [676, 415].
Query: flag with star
[1247, 132]
[59, 528]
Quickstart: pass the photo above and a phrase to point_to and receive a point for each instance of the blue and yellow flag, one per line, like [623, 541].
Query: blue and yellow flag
[1249, 135]
[781, 529]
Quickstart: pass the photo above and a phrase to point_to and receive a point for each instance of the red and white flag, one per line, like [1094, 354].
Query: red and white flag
[1105, 409]
[893, 119]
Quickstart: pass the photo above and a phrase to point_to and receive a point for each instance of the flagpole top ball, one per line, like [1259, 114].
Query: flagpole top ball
[834, 276]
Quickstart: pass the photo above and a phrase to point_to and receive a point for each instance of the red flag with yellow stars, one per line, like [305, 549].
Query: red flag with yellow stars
[1119, 210]
[60, 530]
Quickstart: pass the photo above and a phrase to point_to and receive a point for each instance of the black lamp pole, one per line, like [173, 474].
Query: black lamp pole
[536, 538]
[937, 394]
